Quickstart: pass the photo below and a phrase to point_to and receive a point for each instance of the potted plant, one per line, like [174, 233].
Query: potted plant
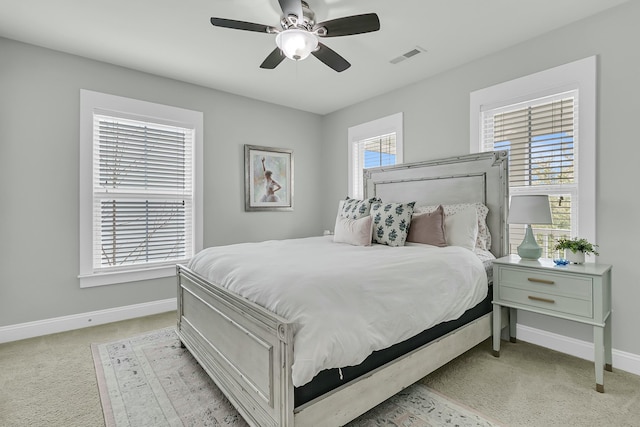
[575, 249]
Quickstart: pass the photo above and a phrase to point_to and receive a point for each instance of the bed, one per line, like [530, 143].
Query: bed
[248, 350]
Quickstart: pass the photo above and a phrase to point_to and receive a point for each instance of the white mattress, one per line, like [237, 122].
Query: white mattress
[347, 301]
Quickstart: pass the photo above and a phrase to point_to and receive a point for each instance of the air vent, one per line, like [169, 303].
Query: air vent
[407, 55]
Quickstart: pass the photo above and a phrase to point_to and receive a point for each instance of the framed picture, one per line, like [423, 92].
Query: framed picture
[268, 179]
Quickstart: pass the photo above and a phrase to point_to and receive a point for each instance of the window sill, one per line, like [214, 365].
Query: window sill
[114, 277]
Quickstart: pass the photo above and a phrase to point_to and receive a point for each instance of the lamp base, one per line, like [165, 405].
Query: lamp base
[529, 248]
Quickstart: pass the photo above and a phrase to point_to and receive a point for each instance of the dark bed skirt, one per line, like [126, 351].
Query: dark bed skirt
[329, 379]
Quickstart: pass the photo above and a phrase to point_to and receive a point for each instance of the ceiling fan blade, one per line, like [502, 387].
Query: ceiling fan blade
[331, 58]
[349, 25]
[291, 7]
[242, 25]
[273, 60]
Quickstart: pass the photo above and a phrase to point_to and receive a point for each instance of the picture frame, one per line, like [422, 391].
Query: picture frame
[268, 178]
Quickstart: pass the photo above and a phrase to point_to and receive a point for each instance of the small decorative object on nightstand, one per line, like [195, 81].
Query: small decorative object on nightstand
[529, 210]
[575, 249]
[578, 292]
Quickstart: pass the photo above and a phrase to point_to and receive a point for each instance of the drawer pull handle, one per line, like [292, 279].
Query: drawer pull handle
[546, 282]
[541, 299]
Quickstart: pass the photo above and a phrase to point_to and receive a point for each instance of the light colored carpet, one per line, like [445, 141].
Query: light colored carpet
[530, 385]
[149, 380]
[50, 381]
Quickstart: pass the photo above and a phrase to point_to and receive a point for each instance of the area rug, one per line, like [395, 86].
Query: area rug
[148, 380]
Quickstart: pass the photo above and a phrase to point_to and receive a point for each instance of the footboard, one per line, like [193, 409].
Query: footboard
[245, 349]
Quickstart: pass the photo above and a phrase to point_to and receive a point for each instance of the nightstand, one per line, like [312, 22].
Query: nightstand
[578, 292]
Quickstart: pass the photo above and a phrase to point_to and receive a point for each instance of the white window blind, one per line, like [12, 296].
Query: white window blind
[541, 137]
[372, 152]
[142, 193]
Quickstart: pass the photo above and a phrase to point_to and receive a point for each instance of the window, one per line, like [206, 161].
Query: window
[550, 136]
[139, 204]
[373, 144]
[539, 136]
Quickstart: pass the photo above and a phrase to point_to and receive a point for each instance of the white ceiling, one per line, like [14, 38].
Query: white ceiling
[174, 38]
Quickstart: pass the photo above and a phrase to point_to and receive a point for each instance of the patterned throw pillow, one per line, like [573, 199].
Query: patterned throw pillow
[391, 222]
[356, 209]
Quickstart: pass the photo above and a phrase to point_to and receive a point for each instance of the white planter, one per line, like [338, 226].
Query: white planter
[574, 257]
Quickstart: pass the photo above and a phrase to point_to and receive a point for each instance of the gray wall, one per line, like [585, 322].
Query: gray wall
[39, 126]
[436, 124]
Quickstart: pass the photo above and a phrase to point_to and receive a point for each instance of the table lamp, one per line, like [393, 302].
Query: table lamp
[529, 210]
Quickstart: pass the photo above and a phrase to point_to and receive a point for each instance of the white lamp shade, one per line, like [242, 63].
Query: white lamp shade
[296, 44]
[530, 210]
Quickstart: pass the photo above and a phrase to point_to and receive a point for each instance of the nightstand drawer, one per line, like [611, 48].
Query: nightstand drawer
[552, 302]
[557, 284]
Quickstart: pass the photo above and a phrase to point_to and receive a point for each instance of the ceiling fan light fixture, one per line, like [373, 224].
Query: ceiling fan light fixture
[296, 44]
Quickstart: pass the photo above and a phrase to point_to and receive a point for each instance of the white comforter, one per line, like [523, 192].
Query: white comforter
[347, 301]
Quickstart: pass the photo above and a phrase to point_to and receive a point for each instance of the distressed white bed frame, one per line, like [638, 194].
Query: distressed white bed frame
[248, 350]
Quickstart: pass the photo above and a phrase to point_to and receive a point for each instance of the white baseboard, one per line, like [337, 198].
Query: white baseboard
[622, 360]
[76, 321]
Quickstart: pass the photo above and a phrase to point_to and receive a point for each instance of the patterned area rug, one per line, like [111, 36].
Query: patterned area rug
[149, 380]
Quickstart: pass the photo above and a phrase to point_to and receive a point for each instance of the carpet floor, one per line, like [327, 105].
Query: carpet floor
[148, 380]
[51, 381]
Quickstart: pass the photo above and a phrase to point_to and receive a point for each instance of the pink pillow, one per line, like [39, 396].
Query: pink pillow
[428, 228]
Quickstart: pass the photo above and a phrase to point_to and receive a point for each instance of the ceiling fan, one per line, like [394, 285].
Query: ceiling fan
[299, 34]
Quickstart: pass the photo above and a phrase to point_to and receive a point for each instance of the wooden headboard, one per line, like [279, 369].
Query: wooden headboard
[472, 178]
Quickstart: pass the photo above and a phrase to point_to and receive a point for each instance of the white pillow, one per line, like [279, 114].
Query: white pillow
[355, 232]
[461, 228]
